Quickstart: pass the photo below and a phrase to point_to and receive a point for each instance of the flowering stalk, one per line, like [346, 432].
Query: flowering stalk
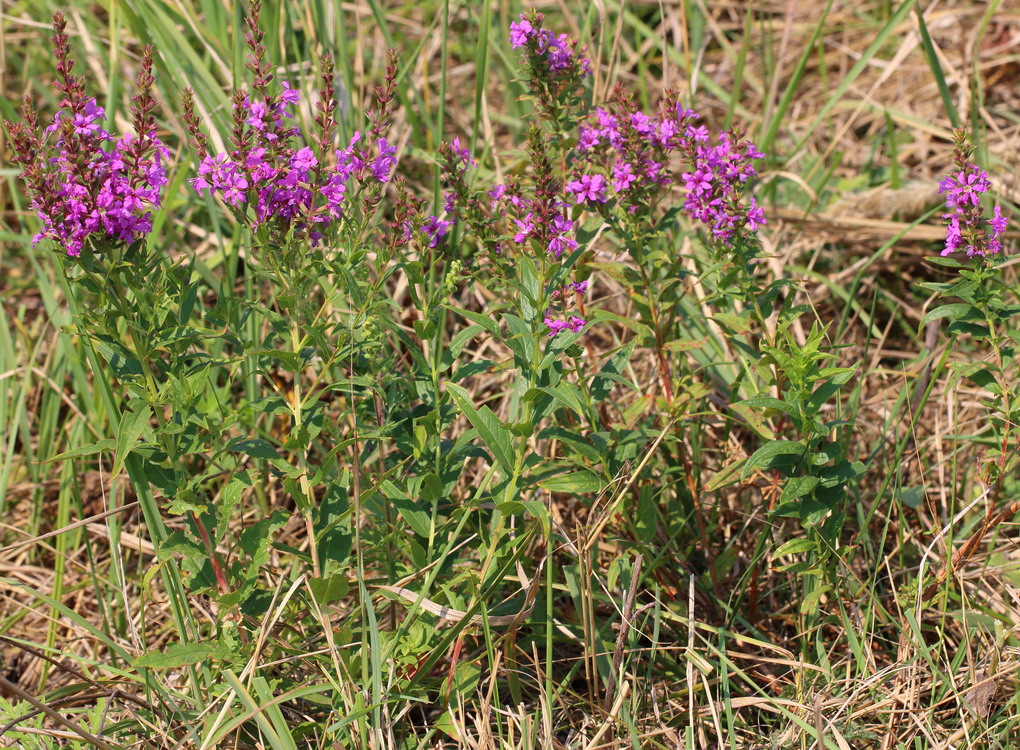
[88, 188]
[967, 225]
[311, 206]
[984, 315]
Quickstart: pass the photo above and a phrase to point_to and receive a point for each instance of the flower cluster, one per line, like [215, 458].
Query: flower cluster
[557, 53]
[967, 226]
[534, 219]
[556, 68]
[87, 186]
[537, 217]
[567, 321]
[632, 158]
[284, 181]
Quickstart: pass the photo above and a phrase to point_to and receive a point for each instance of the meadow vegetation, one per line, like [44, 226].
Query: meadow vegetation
[502, 375]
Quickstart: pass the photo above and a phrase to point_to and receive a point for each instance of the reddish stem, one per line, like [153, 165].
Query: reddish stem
[221, 579]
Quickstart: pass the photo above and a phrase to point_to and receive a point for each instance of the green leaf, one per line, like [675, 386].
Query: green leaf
[291, 361]
[948, 261]
[684, 345]
[184, 335]
[457, 343]
[476, 367]
[254, 447]
[229, 498]
[797, 487]
[953, 311]
[841, 473]
[485, 321]
[329, 589]
[736, 323]
[106, 445]
[601, 385]
[179, 655]
[132, 425]
[575, 482]
[418, 519]
[577, 442]
[795, 547]
[767, 402]
[754, 420]
[726, 475]
[178, 543]
[774, 454]
[493, 434]
[566, 393]
[810, 602]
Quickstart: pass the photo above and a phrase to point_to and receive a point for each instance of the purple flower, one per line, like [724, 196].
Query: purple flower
[562, 241]
[289, 95]
[965, 187]
[606, 120]
[998, 222]
[435, 229]
[562, 225]
[520, 32]
[623, 176]
[588, 139]
[561, 244]
[590, 188]
[525, 227]
[221, 174]
[755, 216]
[668, 130]
[697, 134]
[699, 181]
[87, 122]
[334, 192]
[573, 324]
[304, 159]
[495, 194]
[257, 112]
[954, 237]
[642, 123]
[384, 161]
[462, 152]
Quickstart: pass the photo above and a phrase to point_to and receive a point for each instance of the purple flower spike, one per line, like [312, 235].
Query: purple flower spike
[85, 185]
[967, 226]
[554, 55]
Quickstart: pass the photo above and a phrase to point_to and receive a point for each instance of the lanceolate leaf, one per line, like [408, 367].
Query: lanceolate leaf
[493, 434]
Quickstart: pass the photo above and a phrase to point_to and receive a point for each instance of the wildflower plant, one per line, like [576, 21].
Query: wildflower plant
[320, 381]
[310, 205]
[96, 196]
[978, 310]
[603, 175]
